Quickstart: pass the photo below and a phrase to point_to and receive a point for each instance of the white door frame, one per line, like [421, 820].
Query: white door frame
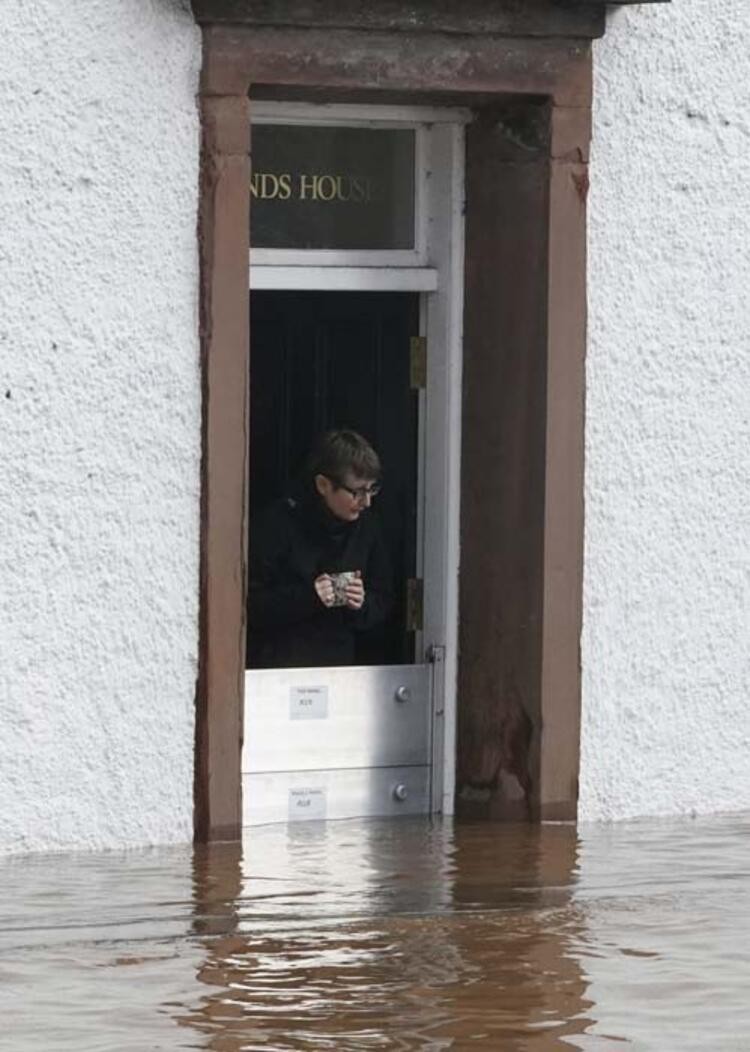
[434, 269]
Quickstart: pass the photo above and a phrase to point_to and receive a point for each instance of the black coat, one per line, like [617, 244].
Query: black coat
[294, 541]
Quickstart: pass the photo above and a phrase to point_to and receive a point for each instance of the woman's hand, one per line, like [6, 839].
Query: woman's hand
[355, 593]
[324, 589]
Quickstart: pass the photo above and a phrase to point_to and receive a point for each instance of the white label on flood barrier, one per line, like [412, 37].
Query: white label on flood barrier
[308, 703]
[306, 804]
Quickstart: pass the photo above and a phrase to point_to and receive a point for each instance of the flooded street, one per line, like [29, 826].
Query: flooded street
[386, 935]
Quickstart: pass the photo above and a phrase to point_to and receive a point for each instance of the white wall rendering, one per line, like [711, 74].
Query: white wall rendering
[99, 421]
[666, 698]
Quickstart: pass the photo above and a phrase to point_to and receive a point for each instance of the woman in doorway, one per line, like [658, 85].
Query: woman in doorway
[319, 570]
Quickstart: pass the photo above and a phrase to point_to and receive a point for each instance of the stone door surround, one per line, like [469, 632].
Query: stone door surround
[524, 67]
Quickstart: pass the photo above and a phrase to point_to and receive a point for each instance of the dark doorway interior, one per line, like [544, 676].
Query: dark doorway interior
[324, 360]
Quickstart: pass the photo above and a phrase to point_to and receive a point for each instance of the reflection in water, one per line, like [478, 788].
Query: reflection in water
[386, 935]
[391, 935]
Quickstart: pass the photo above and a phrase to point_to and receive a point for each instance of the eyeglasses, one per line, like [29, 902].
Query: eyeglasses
[362, 493]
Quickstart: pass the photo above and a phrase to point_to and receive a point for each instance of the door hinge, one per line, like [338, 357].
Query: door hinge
[414, 604]
[418, 362]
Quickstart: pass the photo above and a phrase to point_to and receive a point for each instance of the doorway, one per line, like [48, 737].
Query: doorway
[516, 371]
[326, 741]
[332, 360]
[355, 322]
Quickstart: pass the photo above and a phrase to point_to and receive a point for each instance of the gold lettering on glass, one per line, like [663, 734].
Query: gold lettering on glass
[267, 186]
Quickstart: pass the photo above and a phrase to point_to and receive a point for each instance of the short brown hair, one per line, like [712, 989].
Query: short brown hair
[339, 452]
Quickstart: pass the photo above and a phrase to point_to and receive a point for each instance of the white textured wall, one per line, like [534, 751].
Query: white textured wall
[99, 421]
[666, 699]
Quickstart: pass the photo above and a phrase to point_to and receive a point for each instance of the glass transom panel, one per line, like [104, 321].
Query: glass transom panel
[332, 187]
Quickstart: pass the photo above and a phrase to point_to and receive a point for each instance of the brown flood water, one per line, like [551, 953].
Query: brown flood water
[386, 935]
